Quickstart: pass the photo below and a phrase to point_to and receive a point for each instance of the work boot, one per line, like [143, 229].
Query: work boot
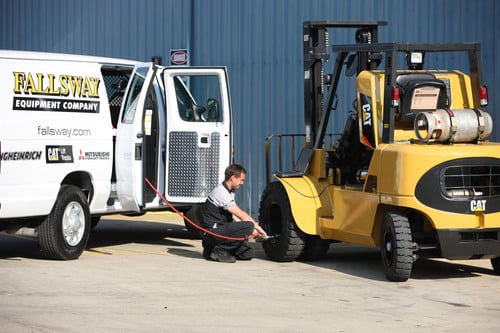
[244, 252]
[221, 255]
[206, 251]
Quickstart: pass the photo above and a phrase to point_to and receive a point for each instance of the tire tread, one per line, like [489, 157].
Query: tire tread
[400, 268]
[282, 250]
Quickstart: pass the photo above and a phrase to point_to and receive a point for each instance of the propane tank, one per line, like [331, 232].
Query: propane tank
[467, 125]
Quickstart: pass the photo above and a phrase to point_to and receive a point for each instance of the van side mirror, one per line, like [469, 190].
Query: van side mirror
[212, 110]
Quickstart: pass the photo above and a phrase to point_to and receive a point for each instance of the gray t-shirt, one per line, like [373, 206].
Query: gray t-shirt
[221, 197]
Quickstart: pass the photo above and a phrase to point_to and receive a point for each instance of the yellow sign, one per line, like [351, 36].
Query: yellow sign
[52, 85]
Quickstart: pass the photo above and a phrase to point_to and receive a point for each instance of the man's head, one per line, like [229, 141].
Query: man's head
[234, 176]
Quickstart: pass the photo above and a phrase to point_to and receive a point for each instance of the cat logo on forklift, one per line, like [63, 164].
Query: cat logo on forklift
[478, 205]
[80, 135]
[367, 115]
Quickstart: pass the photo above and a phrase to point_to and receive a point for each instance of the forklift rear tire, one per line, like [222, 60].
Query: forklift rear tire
[396, 247]
[495, 262]
[276, 218]
[315, 248]
[64, 233]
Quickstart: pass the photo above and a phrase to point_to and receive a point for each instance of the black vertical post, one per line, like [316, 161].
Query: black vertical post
[308, 85]
[315, 51]
[475, 73]
[391, 57]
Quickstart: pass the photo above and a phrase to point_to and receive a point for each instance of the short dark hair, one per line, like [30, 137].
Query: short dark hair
[234, 170]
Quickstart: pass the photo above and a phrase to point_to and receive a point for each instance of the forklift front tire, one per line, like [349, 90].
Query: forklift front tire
[277, 220]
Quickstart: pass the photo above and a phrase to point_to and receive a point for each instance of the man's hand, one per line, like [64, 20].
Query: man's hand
[259, 233]
[241, 215]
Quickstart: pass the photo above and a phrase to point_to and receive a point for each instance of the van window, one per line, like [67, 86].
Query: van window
[116, 81]
[198, 97]
[133, 95]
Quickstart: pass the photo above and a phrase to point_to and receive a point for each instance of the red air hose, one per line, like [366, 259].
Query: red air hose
[191, 222]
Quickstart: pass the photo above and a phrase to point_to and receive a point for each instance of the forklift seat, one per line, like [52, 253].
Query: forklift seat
[420, 92]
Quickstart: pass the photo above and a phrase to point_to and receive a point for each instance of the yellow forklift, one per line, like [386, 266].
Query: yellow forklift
[412, 173]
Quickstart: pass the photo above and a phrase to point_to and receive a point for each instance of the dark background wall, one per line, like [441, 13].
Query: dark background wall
[260, 41]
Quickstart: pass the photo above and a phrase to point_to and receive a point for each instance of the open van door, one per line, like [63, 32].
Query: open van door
[130, 138]
[198, 134]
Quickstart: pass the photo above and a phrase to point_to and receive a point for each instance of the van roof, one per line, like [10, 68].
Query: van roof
[29, 55]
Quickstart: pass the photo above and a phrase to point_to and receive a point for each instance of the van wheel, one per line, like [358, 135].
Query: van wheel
[276, 219]
[396, 247]
[495, 262]
[193, 214]
[65, 232]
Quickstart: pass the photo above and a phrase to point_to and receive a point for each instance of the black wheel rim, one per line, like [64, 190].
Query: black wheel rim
[273, 221]
[388, 247]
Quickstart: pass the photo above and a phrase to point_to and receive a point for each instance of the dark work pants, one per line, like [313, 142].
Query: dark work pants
[241, 229]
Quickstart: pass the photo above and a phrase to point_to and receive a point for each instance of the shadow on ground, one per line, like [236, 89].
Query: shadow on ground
[366, 263]
[348, 259]
[108, 233]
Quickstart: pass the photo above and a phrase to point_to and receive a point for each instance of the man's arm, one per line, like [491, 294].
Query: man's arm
[241, 215]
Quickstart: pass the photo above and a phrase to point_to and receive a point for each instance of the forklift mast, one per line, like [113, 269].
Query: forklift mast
[316, 53]
[369, 54]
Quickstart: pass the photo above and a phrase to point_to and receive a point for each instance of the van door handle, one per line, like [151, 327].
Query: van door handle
[139, 135]
[138, 151]
[204, 141]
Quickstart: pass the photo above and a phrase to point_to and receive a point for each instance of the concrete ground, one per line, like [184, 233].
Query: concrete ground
[138, 275]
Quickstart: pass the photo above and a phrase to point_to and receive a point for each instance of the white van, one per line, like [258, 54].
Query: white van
[80, 135]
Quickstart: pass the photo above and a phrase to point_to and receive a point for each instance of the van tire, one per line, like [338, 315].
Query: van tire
[276, 218]
[396, 247]
[194, 215]
[64, 233]
[94, 221]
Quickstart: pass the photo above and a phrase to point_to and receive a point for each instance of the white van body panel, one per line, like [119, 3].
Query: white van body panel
[63, 135]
